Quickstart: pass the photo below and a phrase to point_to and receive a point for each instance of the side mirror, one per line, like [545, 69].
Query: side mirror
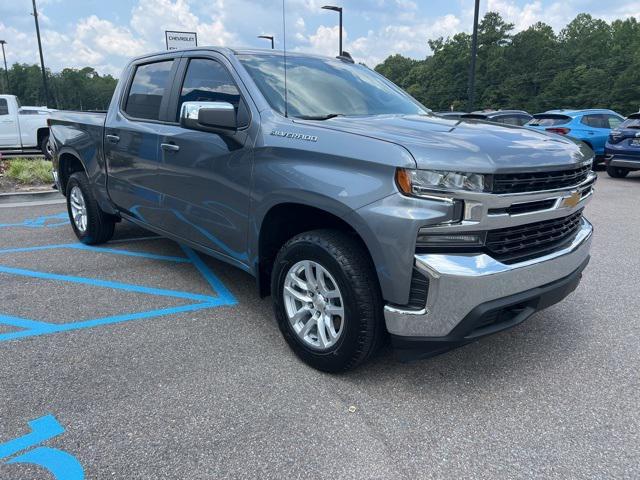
[218, 117]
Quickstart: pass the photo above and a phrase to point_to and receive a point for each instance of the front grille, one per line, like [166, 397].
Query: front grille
[516, 244]
[537, 181]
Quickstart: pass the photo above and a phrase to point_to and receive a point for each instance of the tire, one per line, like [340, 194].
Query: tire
[617, 172]
[361, 328]
[98, 226]
[45, 148]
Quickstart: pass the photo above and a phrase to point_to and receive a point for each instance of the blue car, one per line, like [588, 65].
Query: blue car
[592, 126]
[622, 152]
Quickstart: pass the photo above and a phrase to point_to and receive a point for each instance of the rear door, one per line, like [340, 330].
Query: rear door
[131, 143]
[206, 177]
[9, 128]
[600, 127]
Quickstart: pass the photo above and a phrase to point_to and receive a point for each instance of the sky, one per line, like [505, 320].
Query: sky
[104, 34]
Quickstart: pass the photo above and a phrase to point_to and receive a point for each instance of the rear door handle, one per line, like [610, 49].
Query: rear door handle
[113, 138]
[170, 147]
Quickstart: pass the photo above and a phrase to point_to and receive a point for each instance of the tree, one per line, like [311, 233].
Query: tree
[590, 63]
[71, 89]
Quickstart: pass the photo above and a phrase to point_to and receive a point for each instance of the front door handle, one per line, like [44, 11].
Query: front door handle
[113, 138]
[170, 147]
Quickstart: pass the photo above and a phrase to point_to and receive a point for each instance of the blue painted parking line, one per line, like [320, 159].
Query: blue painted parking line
[221, 296]
[48, 221]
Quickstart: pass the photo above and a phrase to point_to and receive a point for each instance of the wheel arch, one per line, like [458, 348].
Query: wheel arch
[281, 222]
[41, 133]
[68, 164]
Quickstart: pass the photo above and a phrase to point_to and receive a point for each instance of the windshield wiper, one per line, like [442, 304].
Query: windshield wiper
[319, 117]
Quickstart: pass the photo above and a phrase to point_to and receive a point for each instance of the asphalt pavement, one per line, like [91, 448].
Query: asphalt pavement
[143, 360]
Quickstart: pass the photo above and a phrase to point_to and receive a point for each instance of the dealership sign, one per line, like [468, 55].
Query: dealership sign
[177, 40]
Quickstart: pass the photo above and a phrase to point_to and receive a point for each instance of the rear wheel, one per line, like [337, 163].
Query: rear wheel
[327, 300]
[90, 224]
[617, 172]
[45, 147]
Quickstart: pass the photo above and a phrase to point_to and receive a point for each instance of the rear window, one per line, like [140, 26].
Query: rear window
[4, 107]
[548, 121]
[517, 120]
[150, 85]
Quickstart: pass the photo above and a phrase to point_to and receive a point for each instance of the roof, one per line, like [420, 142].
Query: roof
[493, 113]
[575, 112]
[235, 51]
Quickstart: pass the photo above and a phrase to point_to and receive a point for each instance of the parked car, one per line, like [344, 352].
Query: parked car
[450, 115]
[23, 128]
[622, 151]
[591, 126]
[507, 117]
[361, 213]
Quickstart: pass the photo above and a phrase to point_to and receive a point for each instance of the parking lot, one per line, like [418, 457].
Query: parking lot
[161, 363]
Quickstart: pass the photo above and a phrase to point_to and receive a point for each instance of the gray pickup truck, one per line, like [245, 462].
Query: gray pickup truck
[363, 215]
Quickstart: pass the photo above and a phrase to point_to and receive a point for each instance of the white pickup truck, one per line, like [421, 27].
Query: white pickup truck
[23, 128]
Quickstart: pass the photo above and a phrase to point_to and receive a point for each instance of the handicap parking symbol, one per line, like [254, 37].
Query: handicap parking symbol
[62, 465]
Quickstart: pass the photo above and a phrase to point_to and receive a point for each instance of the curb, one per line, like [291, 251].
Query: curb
[21, 197]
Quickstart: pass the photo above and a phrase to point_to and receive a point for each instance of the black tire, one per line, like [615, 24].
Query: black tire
[44, 147]
[617, 172]
[345, 259]
[100, 226]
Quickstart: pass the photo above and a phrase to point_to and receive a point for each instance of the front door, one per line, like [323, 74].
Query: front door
[9, 131]
[132, 144]
[206, 177]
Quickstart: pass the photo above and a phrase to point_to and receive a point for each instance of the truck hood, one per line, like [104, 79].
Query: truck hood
[471, 146]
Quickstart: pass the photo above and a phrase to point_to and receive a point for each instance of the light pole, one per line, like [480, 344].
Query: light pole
[44, 74]
[6, 71]
[339, 10]
[268, 37]
[471, 94]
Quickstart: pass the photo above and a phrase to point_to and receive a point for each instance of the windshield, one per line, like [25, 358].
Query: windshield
[324, 87]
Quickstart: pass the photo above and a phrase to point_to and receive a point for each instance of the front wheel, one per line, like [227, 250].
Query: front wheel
[617, 172]
[327, 300]
[90, 224]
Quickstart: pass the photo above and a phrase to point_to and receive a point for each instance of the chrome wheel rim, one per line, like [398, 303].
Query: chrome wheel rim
[78, 209]
[49, 149]
[313, 304]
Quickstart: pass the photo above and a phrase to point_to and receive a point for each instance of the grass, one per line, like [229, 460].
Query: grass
[29, 171]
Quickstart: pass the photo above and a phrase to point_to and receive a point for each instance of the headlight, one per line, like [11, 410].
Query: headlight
[421, 182]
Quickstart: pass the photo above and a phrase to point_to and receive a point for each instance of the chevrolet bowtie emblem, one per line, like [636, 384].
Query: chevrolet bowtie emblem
[572, 200]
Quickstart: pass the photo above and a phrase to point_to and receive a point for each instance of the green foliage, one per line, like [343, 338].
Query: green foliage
[590, 63]
[29, 171]
[70, 89]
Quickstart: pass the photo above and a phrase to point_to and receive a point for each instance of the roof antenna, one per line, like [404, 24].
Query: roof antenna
[284, 45]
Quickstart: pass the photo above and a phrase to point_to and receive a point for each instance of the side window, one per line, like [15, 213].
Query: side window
[4, 107]
[596, 120]
[208, 81]
[150, 84]
[614, 121]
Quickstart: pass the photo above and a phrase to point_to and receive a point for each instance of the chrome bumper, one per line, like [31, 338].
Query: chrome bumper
[459, 283]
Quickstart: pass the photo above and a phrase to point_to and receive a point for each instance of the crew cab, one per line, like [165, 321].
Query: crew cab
[362, 214]
[23, 128]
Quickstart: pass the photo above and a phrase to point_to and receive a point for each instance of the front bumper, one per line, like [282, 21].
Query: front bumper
[458, 284]
[623, 161]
